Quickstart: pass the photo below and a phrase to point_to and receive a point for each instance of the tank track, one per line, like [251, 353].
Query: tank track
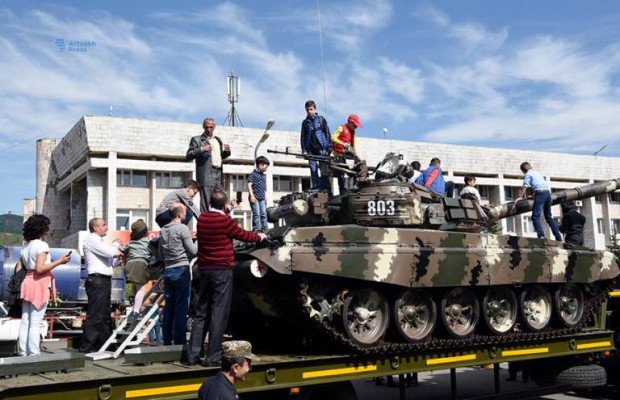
[383, 347]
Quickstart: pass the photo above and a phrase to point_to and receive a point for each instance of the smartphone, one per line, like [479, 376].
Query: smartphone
[239, 197]
[69, 253]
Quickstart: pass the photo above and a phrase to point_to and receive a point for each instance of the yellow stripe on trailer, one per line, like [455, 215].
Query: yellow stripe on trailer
[132, 394]
[338, 371]
[447, 360]
[512, 353]
[593, 345]
[614, 293]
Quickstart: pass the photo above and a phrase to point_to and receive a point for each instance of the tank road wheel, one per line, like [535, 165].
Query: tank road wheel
[365, 316]
[500, 309]
[460, 312]
[415, 314]
[536, 307]
[569, 304]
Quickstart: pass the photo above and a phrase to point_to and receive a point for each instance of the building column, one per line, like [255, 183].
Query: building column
[606, 219]
[590, 230]
[502, 200]
[111, 192]
[152, 202]
[269, 193]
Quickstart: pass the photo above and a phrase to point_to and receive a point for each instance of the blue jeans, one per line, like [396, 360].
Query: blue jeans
[542, 205]
[259, 216]
[176, 293]
[318, 182]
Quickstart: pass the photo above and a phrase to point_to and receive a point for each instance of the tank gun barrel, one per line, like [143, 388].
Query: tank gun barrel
[298, 207]
[582, 192]
[301, 155]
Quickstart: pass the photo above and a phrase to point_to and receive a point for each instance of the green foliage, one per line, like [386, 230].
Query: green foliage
[614, 245]
[11, 223]
[10, 239]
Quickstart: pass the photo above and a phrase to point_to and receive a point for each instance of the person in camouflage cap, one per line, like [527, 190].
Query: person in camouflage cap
[236, 362]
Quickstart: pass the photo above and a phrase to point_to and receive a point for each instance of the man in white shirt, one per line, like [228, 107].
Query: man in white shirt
[99, 259]
[416, 171]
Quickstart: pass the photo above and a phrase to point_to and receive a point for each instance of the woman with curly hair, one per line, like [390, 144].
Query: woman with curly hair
[38, 283]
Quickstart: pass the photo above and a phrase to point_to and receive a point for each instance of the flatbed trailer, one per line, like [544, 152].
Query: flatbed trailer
[290, 376]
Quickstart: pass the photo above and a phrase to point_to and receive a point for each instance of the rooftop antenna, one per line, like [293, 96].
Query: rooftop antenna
[110, 111]
[599, 150]
[385, 132]
[233, 89]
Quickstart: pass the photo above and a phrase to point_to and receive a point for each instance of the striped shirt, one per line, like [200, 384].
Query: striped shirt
[215, 233]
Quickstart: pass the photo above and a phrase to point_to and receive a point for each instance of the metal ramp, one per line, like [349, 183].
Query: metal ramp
[131, 332]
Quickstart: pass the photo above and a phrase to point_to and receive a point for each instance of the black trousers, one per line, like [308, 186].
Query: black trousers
[97, 326]
[212, 311]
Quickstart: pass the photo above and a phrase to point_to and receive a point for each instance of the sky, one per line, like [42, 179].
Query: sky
[516, 74]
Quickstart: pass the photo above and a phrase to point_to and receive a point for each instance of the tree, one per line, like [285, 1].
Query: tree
[614, 245]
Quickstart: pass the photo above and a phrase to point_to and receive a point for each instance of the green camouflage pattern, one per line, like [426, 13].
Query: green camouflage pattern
[429, 258]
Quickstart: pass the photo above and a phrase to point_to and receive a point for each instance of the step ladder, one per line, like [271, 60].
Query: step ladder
[132, 332]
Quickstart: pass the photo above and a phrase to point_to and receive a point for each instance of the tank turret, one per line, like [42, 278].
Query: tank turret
[388, 255]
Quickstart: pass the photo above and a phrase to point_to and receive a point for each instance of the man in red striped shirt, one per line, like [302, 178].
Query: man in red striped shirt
[216, 260]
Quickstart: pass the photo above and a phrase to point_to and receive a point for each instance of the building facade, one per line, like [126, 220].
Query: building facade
[121, 168]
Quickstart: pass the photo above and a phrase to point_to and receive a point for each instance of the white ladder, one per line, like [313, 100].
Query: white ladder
[138, 330]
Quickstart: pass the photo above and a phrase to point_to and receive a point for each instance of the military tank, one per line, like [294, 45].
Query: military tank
[391, 258]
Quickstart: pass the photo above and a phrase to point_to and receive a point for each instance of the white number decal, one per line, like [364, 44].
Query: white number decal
[381, 207]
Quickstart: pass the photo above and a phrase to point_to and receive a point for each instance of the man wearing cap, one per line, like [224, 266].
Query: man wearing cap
[183, 196]
[236, 362]
[343, 140]
[208, 151]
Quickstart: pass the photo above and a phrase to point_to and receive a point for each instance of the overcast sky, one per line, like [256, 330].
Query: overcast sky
[519, 74]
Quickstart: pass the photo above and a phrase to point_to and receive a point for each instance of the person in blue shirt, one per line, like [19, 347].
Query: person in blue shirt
[432, 178]
[315, 140]
[257, 186]
[542, 200]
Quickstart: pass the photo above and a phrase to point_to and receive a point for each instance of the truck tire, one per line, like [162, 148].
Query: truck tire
[331, 391]
[582, 376]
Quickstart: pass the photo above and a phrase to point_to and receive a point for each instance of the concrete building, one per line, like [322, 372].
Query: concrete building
[121, 168]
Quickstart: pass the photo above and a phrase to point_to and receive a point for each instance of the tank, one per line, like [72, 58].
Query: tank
[390, 266]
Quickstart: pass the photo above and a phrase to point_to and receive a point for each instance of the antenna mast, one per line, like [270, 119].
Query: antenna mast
[233, 89]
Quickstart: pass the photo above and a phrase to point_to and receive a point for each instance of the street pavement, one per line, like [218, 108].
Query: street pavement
[472, 383]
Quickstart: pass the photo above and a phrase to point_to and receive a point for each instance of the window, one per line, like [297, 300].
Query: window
[131, 178]
[239, 183]
[599, 198]
[510, 225]
[124, 218]
[282, 184]
[509, 193]
[599, 225]
[485, 191]
[614, 197]
[305, 183]
[615, 226]
[170, 180]
[528, 226]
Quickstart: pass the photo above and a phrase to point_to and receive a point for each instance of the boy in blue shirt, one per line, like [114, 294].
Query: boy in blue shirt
[257, 185]
[542, 200]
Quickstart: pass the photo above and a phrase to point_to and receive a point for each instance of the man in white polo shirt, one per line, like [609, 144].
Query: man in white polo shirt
[99, 259]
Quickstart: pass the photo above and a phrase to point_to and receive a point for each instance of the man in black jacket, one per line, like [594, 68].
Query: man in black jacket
[572, 224]
[315, 140]
[209, 152]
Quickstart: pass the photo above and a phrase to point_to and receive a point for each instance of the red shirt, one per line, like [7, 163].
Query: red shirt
[215, 233]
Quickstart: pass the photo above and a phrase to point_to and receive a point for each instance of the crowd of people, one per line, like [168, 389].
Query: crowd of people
[213, 249]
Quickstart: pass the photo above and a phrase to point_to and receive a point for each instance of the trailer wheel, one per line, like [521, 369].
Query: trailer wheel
[330, 391]
[582, 376]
